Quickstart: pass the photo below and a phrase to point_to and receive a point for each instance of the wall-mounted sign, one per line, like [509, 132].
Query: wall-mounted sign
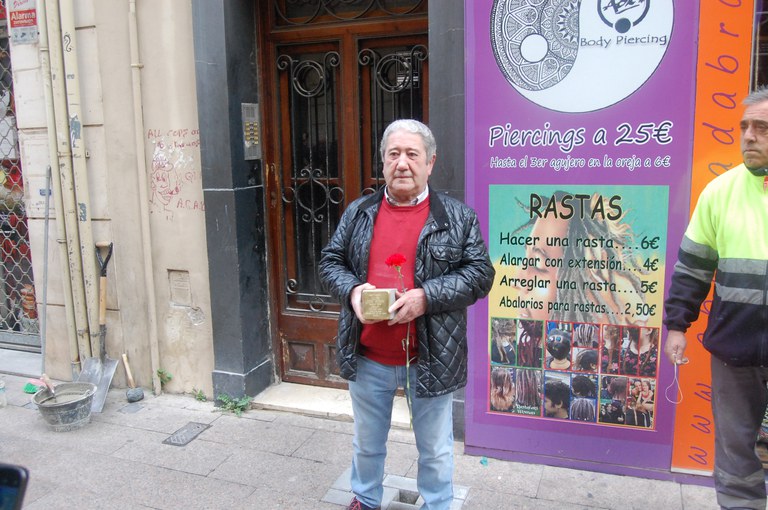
[579, 128]
[22, 19]
[3, 20]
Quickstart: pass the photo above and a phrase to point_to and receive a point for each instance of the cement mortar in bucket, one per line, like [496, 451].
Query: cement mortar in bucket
[68, 407]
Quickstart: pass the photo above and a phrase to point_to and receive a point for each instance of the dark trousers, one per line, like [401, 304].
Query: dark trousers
[739, 398]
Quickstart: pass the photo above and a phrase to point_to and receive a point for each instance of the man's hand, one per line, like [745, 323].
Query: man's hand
[409, 305]
[675, 347]
[356, 300]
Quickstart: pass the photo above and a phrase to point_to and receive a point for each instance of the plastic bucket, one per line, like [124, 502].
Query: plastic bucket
[69, 408]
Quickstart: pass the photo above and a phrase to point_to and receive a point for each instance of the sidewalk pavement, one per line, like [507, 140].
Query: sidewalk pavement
[272, 459]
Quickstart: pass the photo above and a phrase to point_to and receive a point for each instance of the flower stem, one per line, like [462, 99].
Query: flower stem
[406, 346]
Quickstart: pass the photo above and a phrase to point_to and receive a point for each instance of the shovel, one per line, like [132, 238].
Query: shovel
[100, 370]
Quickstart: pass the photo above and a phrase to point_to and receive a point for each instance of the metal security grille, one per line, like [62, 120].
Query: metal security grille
[313, 194]
[760, 48]
[317, 12]
[392, 87]
[19, 327]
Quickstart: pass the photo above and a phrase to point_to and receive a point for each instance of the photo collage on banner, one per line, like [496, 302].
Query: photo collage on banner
[575, 313]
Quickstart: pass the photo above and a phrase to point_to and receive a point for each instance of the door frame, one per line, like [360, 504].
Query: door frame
[346, 35]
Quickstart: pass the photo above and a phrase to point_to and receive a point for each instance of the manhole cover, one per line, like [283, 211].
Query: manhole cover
[186, 434]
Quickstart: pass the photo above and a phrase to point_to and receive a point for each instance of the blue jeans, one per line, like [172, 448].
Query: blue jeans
[372, 397]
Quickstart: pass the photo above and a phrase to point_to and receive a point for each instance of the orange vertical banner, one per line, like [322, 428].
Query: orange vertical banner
[723, 76]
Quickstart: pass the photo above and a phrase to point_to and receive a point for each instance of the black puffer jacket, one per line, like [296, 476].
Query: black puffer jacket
[452, 266]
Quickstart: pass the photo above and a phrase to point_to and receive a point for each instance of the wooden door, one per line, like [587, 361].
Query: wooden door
[334, 75]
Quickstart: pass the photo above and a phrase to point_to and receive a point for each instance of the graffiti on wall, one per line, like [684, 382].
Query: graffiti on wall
[175, 174]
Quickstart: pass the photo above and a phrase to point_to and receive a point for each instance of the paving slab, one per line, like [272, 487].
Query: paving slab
[510, 478]
[276, 499]
[153, 416]
[14, 418]
[480, 499]
[171, 489]
[86, 499]
[197, 457]
[607, 491]
[309, 422]
[697, 497]
[264, 469]
[97, 437]
[329, 448]
[265, 436]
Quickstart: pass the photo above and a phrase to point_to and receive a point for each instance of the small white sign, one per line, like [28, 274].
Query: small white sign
[22, 17]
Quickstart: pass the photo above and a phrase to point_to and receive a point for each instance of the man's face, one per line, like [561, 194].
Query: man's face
[754, 136]
[406, 168]
[550, 409]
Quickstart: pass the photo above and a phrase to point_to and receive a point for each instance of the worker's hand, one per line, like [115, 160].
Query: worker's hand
[408, 306]
[356, 300]
[674, 348]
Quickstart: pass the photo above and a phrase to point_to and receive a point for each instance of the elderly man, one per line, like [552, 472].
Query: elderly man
[728, 237]
[429, 248]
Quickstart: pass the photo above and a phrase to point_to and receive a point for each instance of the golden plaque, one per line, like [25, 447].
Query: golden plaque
[376, 304]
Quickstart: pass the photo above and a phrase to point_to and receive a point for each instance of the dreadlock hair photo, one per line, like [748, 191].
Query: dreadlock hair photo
[636, 415]
[529, 343]
[502, 337]
[641, 351]
[583, 409]
[611, 351]
[585, 335]
[528, 388]
[502, 390]
[585, 360]
[613, 398]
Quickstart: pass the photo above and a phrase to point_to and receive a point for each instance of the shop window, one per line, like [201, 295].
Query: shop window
[18, 303]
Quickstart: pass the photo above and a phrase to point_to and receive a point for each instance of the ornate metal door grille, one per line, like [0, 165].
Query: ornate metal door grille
[311, 193]
[315, 188]
[311, 12]
[18, 309]
[393, 81]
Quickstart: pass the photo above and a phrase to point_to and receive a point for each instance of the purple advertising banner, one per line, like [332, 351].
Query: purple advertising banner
[579, 137]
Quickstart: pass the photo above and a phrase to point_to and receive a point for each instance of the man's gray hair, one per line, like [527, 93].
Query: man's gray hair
[412, 126]
[757, 96]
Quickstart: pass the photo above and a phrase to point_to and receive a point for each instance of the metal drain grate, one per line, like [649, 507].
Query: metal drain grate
[185, 434]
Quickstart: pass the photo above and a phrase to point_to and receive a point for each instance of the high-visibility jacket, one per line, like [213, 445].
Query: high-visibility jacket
[727, 238]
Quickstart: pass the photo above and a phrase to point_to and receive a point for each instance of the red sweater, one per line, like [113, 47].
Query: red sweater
[396, 230]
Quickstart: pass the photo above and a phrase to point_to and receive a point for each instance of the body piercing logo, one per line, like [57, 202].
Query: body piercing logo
[622, 24]
[579, 55]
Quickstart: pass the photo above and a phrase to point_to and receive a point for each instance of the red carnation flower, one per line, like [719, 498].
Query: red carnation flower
[395, 260]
